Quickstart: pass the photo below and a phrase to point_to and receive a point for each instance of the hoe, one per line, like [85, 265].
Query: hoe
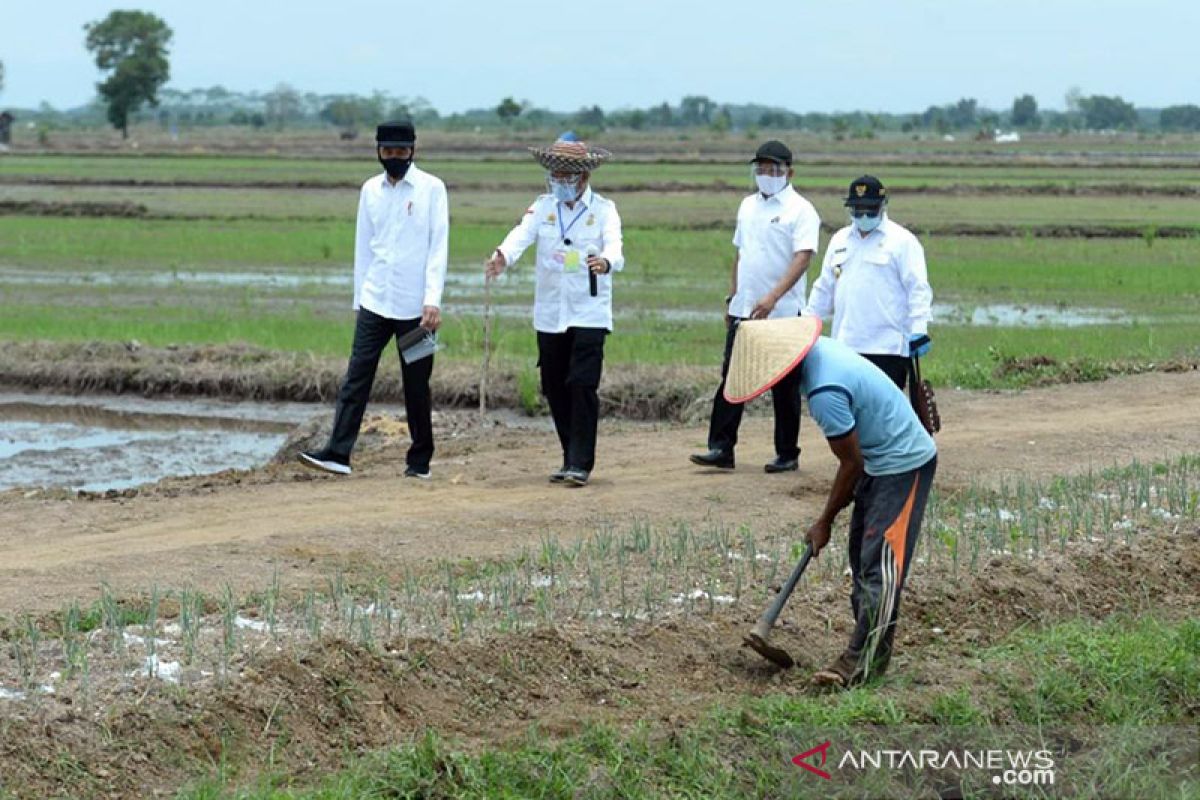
[759, 637]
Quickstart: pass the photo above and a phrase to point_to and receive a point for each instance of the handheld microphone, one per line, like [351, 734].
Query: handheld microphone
[592, 250]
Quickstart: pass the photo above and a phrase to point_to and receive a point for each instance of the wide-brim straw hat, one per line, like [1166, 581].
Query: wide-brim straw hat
[765, 351]
[570, 156]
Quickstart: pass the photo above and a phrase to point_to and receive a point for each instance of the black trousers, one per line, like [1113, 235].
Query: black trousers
[571, 363]
[726, 417]
[888, 510]
[895, 367]
[372, 333]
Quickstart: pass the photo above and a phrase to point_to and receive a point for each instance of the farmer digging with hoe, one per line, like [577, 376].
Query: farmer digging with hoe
[578, 236]
[400, 255]
[886, 464]
[776, 236]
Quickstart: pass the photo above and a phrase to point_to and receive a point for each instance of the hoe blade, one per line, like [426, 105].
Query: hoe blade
[776, 655]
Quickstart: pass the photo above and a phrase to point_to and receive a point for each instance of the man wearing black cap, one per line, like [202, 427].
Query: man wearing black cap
[874, 285]
[400, 256]
[776, 236]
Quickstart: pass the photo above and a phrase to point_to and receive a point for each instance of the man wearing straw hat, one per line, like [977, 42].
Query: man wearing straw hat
[874, 283]
[886, 464]
[776, 236]
[578, 236]
[400, 258]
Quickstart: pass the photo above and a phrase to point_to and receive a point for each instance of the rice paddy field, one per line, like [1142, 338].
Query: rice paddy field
[1065, 256]
[266, 634]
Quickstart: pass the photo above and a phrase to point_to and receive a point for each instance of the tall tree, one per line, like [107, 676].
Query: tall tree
[1025, 112]
[131, 46]
[1180, 118]
[508, 109]
[1101, 112]
[283, 105]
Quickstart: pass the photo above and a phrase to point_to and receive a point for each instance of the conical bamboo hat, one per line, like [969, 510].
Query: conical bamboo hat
[765, 351]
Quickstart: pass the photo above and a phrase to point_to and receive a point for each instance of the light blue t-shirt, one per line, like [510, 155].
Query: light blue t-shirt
[845, 392]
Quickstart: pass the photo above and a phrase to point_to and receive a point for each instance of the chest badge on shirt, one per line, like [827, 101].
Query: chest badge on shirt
[551, 217]
[837, 273]
[591, 220]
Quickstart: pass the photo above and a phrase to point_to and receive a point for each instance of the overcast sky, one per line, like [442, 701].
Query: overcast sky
[887, 55]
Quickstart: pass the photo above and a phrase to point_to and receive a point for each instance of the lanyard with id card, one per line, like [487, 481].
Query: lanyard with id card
[571, 259]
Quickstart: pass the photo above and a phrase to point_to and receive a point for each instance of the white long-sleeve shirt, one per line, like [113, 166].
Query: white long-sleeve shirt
[562, 297]
[770, 231]
[876, 288]
[401, 247]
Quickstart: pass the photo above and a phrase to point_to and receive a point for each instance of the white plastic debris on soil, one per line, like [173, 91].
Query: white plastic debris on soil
[701, 595]
[249, 624]
[153, 667]
[732, 556]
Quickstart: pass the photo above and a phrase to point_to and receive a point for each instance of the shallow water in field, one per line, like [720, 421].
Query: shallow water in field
[514, 295]
[96, 444]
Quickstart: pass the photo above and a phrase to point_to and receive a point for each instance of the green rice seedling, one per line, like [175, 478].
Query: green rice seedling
[229, 631]
[191, 610]
[73, 642]
[643, 536]
[24, 649]
[312, 619]
[114, 619]
[271, 604]
[151, 626]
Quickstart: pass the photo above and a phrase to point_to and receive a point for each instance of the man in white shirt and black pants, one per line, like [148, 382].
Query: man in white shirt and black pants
[578, 236]
[400, 257]
[777, 234]
[874, 285]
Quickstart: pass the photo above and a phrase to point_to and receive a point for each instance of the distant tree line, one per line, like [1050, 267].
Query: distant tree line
[131, 50]
[286, 107]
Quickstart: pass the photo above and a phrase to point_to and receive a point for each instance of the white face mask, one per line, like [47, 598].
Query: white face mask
[564, 191]
[771, 184]
[867, 224]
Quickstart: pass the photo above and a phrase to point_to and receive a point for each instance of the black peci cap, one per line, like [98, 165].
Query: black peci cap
[866, 191]
[398, 133]
[773, 151]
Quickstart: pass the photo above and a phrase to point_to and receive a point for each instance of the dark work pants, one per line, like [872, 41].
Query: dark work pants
[895, 367]
[727, 417]
[888, 510]
[371, 335]
[571, 363]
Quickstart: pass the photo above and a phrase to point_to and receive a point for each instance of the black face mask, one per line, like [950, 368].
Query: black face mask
[396, 168]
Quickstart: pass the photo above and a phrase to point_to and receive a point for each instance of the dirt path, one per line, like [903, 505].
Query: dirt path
[489, 496]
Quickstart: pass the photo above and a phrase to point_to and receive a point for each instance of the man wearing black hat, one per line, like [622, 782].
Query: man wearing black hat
[400, 257]
[776, 236]
[874, 285]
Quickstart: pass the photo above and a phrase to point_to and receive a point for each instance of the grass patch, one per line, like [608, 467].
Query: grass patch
[1124, 671]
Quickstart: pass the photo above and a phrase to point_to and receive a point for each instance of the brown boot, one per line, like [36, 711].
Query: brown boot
[841, 674]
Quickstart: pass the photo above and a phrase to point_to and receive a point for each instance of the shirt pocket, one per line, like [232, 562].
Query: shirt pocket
[878, 259]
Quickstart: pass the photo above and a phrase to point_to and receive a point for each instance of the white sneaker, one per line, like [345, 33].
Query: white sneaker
[324, 461]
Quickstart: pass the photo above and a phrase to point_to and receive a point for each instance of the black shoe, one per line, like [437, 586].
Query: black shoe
[713, 458]
[416, 472]
[781, 464]
[326, 461]
[559, 475]
[575, 477]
